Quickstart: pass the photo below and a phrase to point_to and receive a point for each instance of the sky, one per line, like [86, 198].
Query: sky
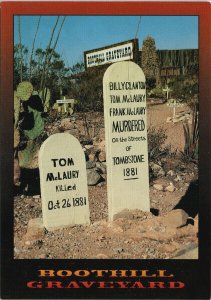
[82, 33]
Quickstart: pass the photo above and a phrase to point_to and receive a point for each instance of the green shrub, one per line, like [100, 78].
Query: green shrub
[156, 144]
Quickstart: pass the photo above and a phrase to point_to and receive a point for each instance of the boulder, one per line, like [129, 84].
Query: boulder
[175, 218]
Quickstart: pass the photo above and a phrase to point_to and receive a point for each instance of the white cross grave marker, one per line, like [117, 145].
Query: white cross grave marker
[174, 104]
[167, 90]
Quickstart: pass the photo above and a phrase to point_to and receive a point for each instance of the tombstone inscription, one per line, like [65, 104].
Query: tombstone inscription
[126, 138]
[63, 182]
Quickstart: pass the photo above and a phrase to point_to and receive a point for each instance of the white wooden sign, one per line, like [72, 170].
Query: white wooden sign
[126, 138]
[63, 182]
[66, 101]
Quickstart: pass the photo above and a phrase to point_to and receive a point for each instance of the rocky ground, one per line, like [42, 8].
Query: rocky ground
[169, 230]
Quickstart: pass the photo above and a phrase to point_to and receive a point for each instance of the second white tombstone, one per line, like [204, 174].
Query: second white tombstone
[63, 182]
[126, 138]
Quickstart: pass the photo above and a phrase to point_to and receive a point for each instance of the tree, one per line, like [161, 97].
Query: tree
[149, 62]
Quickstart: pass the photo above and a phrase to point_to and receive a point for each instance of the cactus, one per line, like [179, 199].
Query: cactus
[38, 125]
[45, 99]
[35, 93]
[28, 158]
[16, 109]
[191, 134]
[24, 90]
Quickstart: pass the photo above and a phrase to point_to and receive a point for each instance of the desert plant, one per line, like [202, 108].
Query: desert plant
[38, 125]
[191, 134]
[46, 99]
[156, 144]
[24, 90]
[28, 157]
[32, 129]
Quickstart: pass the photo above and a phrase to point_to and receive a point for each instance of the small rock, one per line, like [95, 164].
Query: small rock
[36, 197]
[89, 147]
[35, 230]
[41, 256]
[67, 124]
[118, 250]
[86, 141]
[90, 164]
[170, 188]
[171, 173]
[102, 183]
[101, 256]
[101, 167]
[178, 178]
[73, 131]
[101, 238]
[158, 187]
[161, 173]
[93, 177]
[102, 156]
[157, 169]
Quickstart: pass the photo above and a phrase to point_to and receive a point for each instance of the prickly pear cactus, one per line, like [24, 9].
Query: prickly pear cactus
[28, 158]
[16, 108]
[38, 125]
[35, 93]
[24, 90]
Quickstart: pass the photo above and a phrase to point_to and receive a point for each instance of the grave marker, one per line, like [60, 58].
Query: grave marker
[70, 103]
[126, 138]
[167, 90]
[173, 103]
[63, 181]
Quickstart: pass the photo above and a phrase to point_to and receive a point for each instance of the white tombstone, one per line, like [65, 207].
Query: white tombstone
[126, 138]
[63, 182]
